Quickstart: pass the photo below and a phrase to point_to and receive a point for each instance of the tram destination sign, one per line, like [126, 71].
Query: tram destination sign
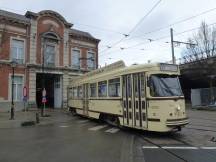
[168, 67]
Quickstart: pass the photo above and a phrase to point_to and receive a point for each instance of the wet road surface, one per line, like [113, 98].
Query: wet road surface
[72, 138]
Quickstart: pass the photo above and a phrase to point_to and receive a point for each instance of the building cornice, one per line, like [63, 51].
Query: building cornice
[33, 15]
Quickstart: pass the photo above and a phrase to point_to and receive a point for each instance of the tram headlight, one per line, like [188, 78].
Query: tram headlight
[178, 108]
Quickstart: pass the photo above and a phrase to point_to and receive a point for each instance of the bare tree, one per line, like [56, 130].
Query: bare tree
[205, 40]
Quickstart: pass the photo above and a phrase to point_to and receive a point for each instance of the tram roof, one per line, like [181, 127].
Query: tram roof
[116, 69]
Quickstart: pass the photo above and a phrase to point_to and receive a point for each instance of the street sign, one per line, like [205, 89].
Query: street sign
[44, 100]
[24, 91]
[25, 94]
[44, 92]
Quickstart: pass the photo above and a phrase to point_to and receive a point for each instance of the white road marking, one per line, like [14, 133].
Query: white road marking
[179, 147]
[208, 148]
[150, 147]
[112, 130]
[63, 126]
[97, 127]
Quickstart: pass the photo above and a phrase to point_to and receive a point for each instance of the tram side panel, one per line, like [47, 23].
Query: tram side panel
[160, 112]
[76, 104]
[110, 107]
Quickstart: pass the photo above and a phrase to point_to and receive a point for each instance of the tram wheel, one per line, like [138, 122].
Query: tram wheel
[111, 119]
[73, 111]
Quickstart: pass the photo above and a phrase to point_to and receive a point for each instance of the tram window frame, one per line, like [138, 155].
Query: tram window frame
[142, 86]
[124, 86]
[129, 86]
[116, 89]
[90, 90]
[102, 84]
[136, 93]
[80, 92]
[70, 93]
[75, 94]
[137, 116]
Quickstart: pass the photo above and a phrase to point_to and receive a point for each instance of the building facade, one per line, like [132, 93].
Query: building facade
[47, 52]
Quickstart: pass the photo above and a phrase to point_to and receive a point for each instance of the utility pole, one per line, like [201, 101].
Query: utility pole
[172, 46]
[43, 77]
[179, 42]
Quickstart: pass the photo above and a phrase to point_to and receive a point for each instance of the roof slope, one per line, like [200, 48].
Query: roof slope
[81, 33]
[15, 16]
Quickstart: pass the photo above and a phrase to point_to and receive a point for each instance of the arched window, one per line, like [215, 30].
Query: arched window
[50, 40]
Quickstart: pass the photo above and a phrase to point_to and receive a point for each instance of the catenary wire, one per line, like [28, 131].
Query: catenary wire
[160, 38]
[132, 30]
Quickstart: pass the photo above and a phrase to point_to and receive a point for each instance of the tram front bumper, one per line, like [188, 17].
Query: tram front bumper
[177, 122]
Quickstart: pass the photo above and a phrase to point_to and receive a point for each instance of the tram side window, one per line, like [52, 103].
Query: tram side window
[114, 87]
[124, 86]
[80, 92]
[142, 85]
[102, 89]
[136, 82]
[93, 90]
[74, 92]
[70, 93]
[129, 88]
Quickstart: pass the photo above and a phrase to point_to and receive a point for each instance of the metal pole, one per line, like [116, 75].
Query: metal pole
[43, 79]
[172, 46]
[12, 97]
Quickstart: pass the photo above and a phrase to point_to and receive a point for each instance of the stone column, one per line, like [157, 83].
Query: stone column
[32, 88]
[66, 47]
[33, 41]
[64, 87]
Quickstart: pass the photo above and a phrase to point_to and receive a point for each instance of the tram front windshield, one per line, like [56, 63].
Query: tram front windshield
[163, 85]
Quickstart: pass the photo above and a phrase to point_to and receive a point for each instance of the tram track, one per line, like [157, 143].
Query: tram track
[162, 148]
[180, 144]
[200, 129]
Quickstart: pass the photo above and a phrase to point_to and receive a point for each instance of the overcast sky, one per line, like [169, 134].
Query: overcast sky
[108, 20]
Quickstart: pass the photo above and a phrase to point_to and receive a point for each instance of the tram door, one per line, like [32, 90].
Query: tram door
[139, 100]
[134, 101]
[85, 99]
[127, 100]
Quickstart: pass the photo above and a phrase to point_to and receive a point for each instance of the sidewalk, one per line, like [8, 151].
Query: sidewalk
[20, 117]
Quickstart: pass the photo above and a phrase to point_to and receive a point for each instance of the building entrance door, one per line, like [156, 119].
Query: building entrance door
[57, 91]
[53, 85]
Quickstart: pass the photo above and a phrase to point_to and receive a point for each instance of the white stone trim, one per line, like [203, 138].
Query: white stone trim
[47, 21]
[66, 48]
[87, 44]
[16, 29]
[32, 85]
[33, 42]
[12, 28]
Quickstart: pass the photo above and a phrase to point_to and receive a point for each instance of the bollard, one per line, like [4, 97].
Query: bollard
[37, 118]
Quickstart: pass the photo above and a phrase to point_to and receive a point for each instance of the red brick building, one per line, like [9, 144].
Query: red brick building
[45, 47]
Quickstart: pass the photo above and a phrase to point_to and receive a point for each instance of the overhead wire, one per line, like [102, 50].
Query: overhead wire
[134, 28]
[160, 38]
[177, 22]
[172, 24]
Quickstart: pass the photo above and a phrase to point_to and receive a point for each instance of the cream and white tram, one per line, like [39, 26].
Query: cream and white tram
[147, 97]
